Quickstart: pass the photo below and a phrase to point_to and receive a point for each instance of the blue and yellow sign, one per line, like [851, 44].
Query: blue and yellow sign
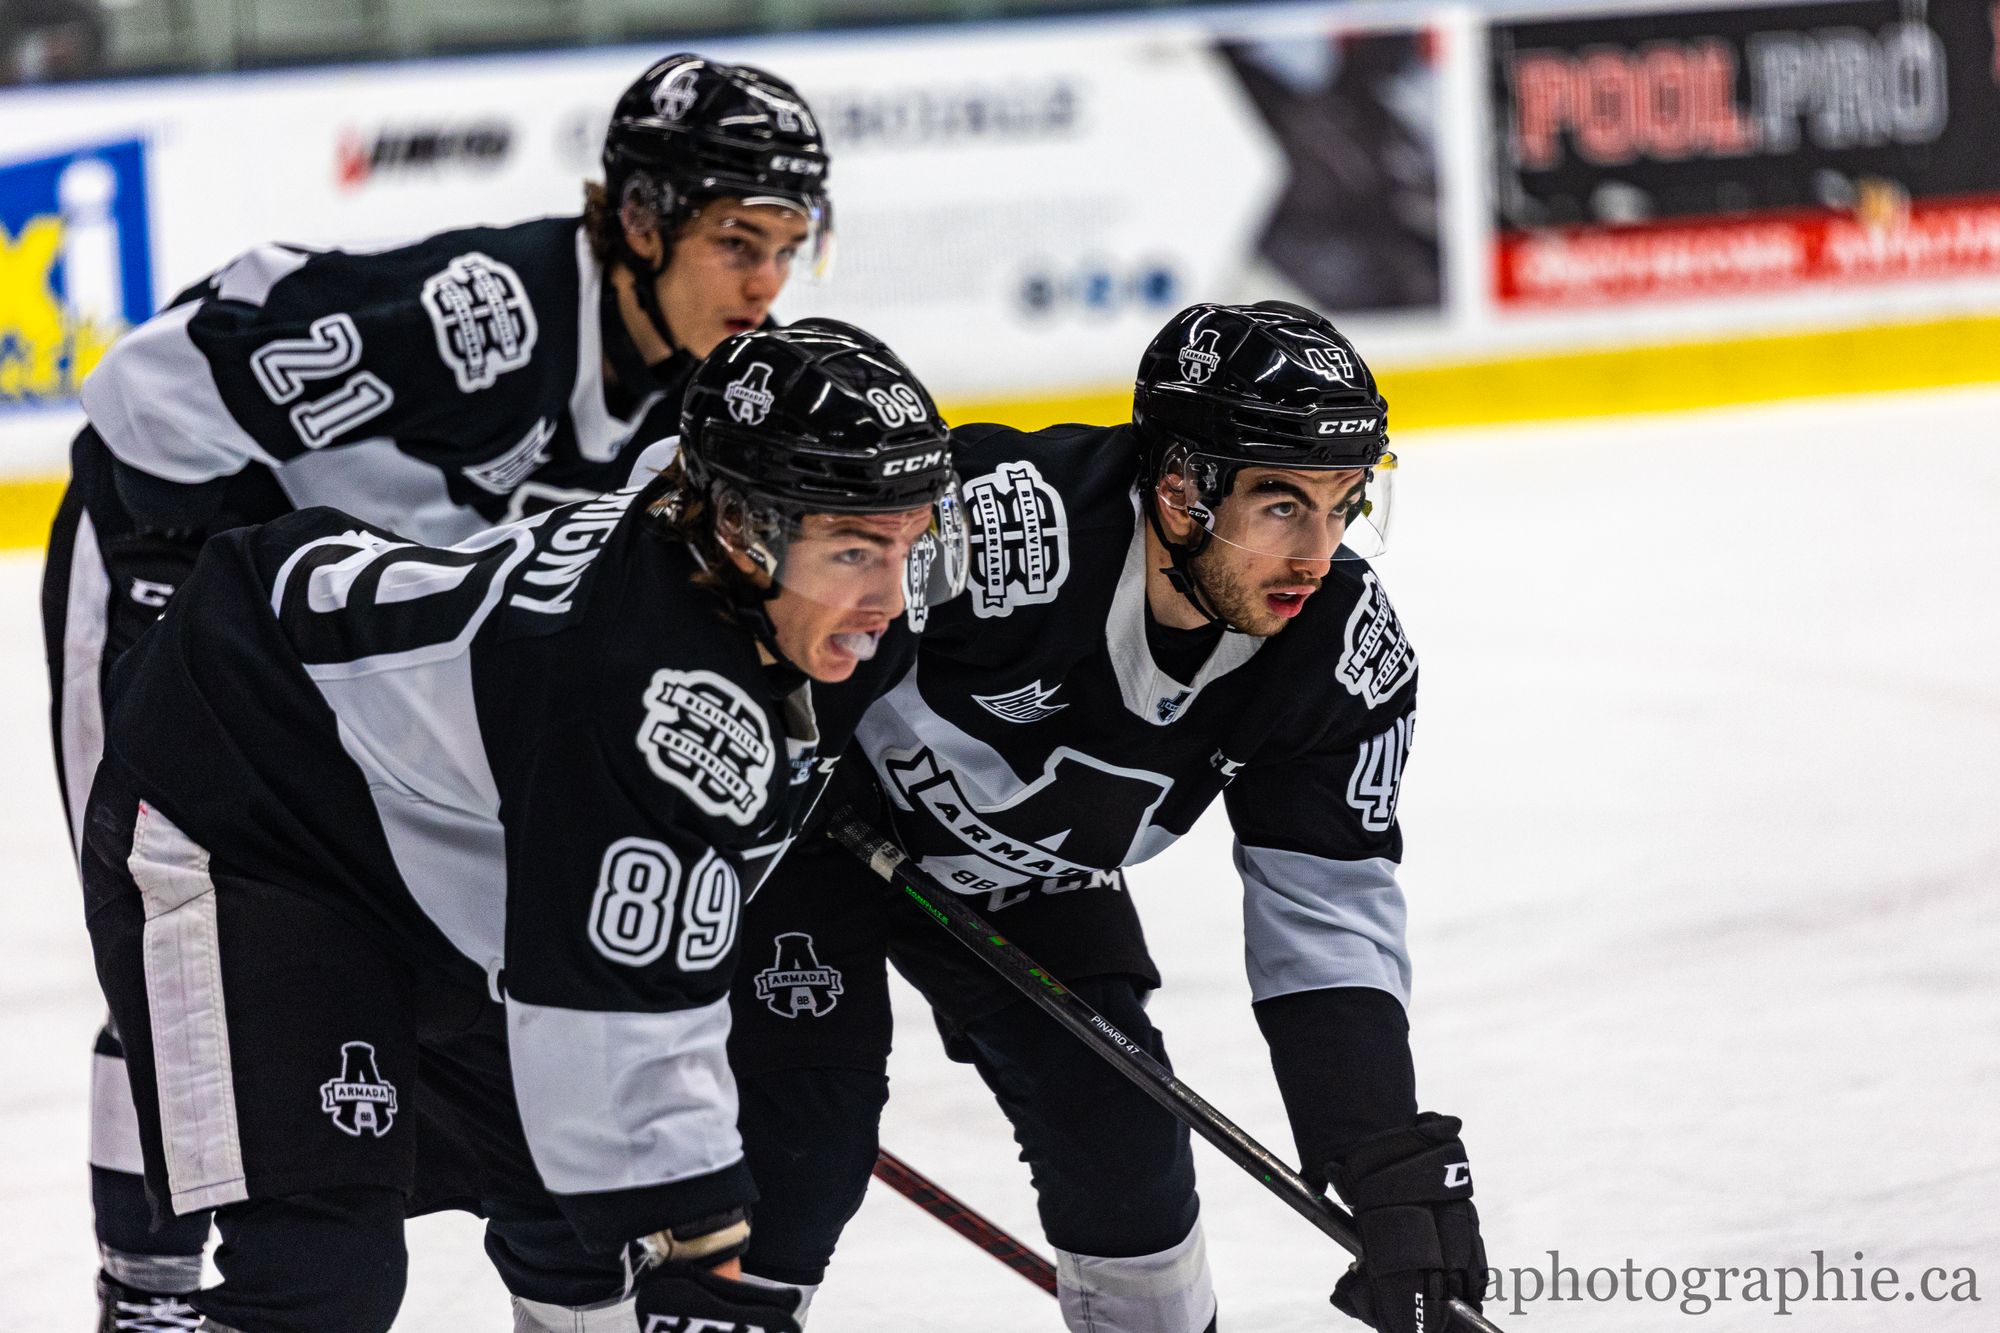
[76, 266]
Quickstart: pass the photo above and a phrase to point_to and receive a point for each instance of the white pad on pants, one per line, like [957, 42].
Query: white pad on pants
[1168, 1292]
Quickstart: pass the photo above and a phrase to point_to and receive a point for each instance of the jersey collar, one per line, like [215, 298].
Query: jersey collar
[1149, 692]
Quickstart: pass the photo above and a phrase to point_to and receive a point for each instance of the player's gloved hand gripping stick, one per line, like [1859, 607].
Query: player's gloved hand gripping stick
[672, 1279]
[1377, 1175]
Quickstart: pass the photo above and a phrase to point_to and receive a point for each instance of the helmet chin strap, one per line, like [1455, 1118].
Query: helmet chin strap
[646, 288]
[748, 605]
[1180, 569]
[627, 363]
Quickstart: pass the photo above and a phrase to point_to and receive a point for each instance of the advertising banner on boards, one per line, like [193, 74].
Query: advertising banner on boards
[1694, 152]
[1018, 209]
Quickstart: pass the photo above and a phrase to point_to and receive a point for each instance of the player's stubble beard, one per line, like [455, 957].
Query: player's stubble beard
[1236, 595]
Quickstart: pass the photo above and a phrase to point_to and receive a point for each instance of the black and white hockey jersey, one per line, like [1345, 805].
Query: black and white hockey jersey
[1040, 740]
[433, 389]
[538, 763]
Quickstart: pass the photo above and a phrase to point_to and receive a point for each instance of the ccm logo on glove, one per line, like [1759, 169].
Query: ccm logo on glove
[1457, 1174]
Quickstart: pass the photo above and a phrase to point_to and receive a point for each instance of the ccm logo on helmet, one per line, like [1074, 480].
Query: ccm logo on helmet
[897, 467]
[798, 166]
[1356, 426]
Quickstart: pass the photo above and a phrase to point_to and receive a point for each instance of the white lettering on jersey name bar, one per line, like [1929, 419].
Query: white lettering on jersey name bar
[559, 562]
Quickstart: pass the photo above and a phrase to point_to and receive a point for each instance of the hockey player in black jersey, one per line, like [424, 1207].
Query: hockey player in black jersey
[1159, 614]
[355, 790]
[432, 389]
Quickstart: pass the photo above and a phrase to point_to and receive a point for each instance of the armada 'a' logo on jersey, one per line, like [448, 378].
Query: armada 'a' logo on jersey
[1019, 539]
[1199, 358]
[359, 1100]
[675, 98]
[1332, 362]
[1030, 703]
[1080, 817]
[1377, 659]
[1377, 780]
[749, 396]
[795, 983]
[484, 323]
[703, 734]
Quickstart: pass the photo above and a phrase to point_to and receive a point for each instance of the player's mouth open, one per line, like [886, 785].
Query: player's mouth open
[858, 644]
[1287, 602]
[740, 325]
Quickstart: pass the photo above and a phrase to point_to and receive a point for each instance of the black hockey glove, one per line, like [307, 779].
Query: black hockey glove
[1411, 1192]
[674, 1287]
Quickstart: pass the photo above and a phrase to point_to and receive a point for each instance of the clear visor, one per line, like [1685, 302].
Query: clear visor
[809, 256]
[870, 567]
[1304, 514]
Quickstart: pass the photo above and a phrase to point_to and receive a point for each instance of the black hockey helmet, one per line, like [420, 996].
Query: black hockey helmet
[820, 417]
[1271, 385]
[692, 129]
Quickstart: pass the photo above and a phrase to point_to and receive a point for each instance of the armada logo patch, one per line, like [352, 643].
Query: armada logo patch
[749, 397]
[703, 735]
[1378, 659]
[1377, 780]
[675, 98]
[359, 1100]
[1018, 539]
[1199, 358]
[795, 983]
[1030, 703]
[484, 322]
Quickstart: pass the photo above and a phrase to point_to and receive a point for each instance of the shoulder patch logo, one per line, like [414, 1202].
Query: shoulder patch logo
[795, 983]
[1030, 703]
[484, 322]
[1377, 780]
[749, 396]
[358, 1099]
[502, 475]
[1199, 358]
[1019, 540]
[704, 736]
[1377, 660]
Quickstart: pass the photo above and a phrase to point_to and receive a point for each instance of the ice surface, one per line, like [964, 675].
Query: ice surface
[1704, 833]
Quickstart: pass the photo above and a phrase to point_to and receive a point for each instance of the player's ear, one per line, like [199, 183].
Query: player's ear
[645, 243]
[732, 534]
[640, 221]
[1170, 496]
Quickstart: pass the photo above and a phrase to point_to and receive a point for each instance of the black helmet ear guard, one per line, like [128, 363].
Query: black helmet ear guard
[1273, 385]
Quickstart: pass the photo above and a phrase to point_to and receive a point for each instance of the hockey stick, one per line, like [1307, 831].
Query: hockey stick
[1127, 1056]
[928, 1195]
